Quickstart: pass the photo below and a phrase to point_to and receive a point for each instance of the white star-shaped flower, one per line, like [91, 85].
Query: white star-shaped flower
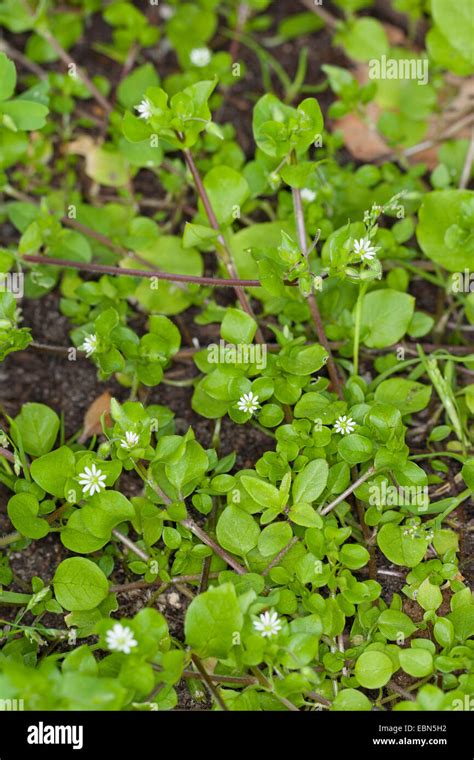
[268, 624]
[130, 440]
[200, 57]
[248, 403]
[365, 249]
[144, 108]
[120, 639]
[92, 480]
[89, 345]
[344, 425]
[308, 195]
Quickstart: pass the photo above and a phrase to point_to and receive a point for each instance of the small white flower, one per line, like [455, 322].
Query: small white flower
[166, 12]
[130, 440]
[144, 108]
[268, 624]
[92, 480]
[200, 57]
[308, 195]
[120, 639]
[248, 403]
[89, 345]
[344, 425]
[365, 249]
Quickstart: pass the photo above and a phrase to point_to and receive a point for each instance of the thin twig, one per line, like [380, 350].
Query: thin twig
[467, 168]
[244, 302]
[214, 692]
[131, 545]
[137, 585]
[195, 529]
[349, 490]
[280, 555]
[327, 17]
[312, 303]
[69, 61]
[7, 454]
[106, 269]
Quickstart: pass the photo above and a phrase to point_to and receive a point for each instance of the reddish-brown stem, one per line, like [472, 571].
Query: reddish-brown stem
[106, 269]
[312, 303]
[7, 454]
[244, 302]
[202, 535]
[66, 58]
[280, 555]
[211, 687]
[195, 529]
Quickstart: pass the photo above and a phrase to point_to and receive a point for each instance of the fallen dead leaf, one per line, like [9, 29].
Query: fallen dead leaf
[364, 142]
[92, 423]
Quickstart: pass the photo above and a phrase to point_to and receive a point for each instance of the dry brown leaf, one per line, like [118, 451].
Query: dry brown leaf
[364, 143]
[92, 423]
[396, 36]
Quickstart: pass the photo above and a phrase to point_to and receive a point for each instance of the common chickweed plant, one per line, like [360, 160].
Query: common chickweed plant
[320, 306]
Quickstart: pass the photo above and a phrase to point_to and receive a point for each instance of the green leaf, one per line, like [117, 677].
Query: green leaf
[273, 538]
[262, 492]
[198, 235]
[132, 89]
[237, 531]
[429, 596]
[462, 619]
[443, 631]
[354, 556]
[386, 315]
[444, 231]
[416, 662]
[192, 466]
[311, 481]
[394, 624]
[406, 395]
[304, 514]
[456, 22]
[36, 428]
[399, 548]
[467, 473]
[363, 39]
[25, 114]
[79, 584]
[7, 77]
[351, 699]
[373, 669]
[51, 471]
[212, 621]
[304, 361]
[227, 190]
[238, 327]
[23, 511]
[279, 128]
[104, 511]
[355, 448]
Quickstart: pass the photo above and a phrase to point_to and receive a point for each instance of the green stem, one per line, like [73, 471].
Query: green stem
[358, 317]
